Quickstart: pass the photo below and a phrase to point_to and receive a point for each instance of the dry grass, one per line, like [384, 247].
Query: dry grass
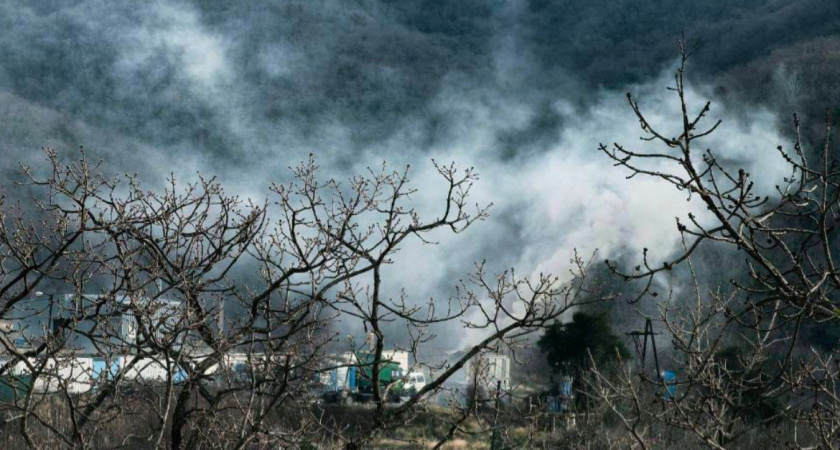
[128, 431]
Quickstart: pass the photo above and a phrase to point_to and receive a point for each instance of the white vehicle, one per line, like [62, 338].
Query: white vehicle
[414, 381]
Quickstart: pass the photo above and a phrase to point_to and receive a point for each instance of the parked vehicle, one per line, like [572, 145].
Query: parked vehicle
[351, 379]
[414, 382]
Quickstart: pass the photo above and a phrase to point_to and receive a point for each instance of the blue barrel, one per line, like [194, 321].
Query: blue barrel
[669, 378]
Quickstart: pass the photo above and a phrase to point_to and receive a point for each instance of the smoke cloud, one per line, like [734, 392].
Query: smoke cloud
[245, 91]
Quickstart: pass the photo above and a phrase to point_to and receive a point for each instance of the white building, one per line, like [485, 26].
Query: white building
[91, 348]
[488, 369]
[120, 322]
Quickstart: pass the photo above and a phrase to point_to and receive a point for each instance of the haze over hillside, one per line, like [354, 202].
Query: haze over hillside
[522, 90]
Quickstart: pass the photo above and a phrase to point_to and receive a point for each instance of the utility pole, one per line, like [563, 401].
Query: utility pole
[640, 339]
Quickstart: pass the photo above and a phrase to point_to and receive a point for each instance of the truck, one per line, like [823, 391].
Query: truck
[390, 378]
[350, 378]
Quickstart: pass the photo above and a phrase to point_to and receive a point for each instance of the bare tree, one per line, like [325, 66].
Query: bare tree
[787, 239]
[191, 318]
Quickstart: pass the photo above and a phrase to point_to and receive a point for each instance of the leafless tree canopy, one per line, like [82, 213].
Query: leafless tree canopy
[738, 360]
[192, 318]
